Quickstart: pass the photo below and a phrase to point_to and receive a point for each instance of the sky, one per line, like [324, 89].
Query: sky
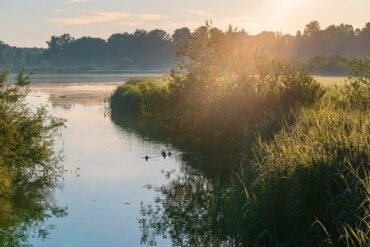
[30, 23]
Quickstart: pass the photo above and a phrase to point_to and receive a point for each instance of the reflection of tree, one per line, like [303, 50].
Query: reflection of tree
[196, 207]
[23, 213]
[30, 170]
[193, 211]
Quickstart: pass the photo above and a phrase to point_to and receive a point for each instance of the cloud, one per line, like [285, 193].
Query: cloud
[199, 12]
[104, 17]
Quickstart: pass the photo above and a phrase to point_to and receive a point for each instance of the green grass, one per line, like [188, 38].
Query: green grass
[310, 185]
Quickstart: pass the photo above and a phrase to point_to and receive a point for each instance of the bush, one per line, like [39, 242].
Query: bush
[137, 96]
[359, 83]
[29, 167]
[219, 91]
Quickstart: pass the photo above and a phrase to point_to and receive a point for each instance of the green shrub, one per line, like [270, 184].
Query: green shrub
[222, 91]
[137, 96]
[29, 168]
[359, 83]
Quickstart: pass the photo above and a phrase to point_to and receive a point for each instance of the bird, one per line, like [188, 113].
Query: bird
[163, 153]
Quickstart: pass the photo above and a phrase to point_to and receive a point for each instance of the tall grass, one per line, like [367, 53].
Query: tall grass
[310, 185]
[305, 181]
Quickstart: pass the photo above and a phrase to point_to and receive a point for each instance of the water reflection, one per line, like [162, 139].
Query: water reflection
[104, 201]
[83, 78]
[67, 96]
[24, 212]
[119, 199]
[193, 207]
[191, 210]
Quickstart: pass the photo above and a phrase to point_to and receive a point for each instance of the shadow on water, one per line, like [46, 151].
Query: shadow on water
[25, 211]
[209, 165]
[195, 207]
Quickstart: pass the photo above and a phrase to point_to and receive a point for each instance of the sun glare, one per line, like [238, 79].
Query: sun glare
[280, 13]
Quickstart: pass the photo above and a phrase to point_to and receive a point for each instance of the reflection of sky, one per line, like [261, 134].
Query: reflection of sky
[112, 172]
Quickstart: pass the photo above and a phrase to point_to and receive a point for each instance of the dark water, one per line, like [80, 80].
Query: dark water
[112, 195]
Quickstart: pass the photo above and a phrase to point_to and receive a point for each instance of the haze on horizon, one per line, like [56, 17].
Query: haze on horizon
[29, 24]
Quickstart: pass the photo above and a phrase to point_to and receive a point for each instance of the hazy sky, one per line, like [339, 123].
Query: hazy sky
[31, 22]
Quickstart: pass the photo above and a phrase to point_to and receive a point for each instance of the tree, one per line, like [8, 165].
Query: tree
[60, 42]
[180, 35]
[312, 29]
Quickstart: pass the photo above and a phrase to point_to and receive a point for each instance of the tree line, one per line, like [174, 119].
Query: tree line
[327, 50]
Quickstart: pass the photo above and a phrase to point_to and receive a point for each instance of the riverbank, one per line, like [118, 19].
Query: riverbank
[306, 161]
[208, 115]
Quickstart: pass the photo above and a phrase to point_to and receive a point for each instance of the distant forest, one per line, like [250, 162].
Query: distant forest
[323, 51]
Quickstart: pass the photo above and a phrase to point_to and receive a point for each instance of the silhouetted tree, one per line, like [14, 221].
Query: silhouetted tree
[180, 35]
[156, 49]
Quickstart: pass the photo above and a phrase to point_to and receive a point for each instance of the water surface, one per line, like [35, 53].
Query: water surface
[113, 196]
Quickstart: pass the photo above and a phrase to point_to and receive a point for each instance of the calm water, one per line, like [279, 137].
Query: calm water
[113, 196]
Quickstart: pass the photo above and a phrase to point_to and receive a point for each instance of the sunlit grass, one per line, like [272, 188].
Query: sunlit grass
[314, 171]
[331, 80]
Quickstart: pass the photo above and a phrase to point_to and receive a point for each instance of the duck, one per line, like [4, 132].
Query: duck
[164, 154]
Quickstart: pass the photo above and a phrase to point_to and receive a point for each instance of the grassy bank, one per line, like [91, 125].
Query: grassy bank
[209, 115]
[310, 185]
[306, 179]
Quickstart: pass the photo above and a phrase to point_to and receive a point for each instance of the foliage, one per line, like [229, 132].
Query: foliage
[220, 96]
[308, 186]
[305, 179]
[324, 51]
[315, 172]
[17, 58]
[137, 95]
[329, 65]
[151, 50]
[29, 167]
[359, 83]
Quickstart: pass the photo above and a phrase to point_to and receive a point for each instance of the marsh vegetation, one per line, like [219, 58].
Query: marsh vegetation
[302, 147]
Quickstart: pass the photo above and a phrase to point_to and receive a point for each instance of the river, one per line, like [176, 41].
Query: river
[112, 195]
